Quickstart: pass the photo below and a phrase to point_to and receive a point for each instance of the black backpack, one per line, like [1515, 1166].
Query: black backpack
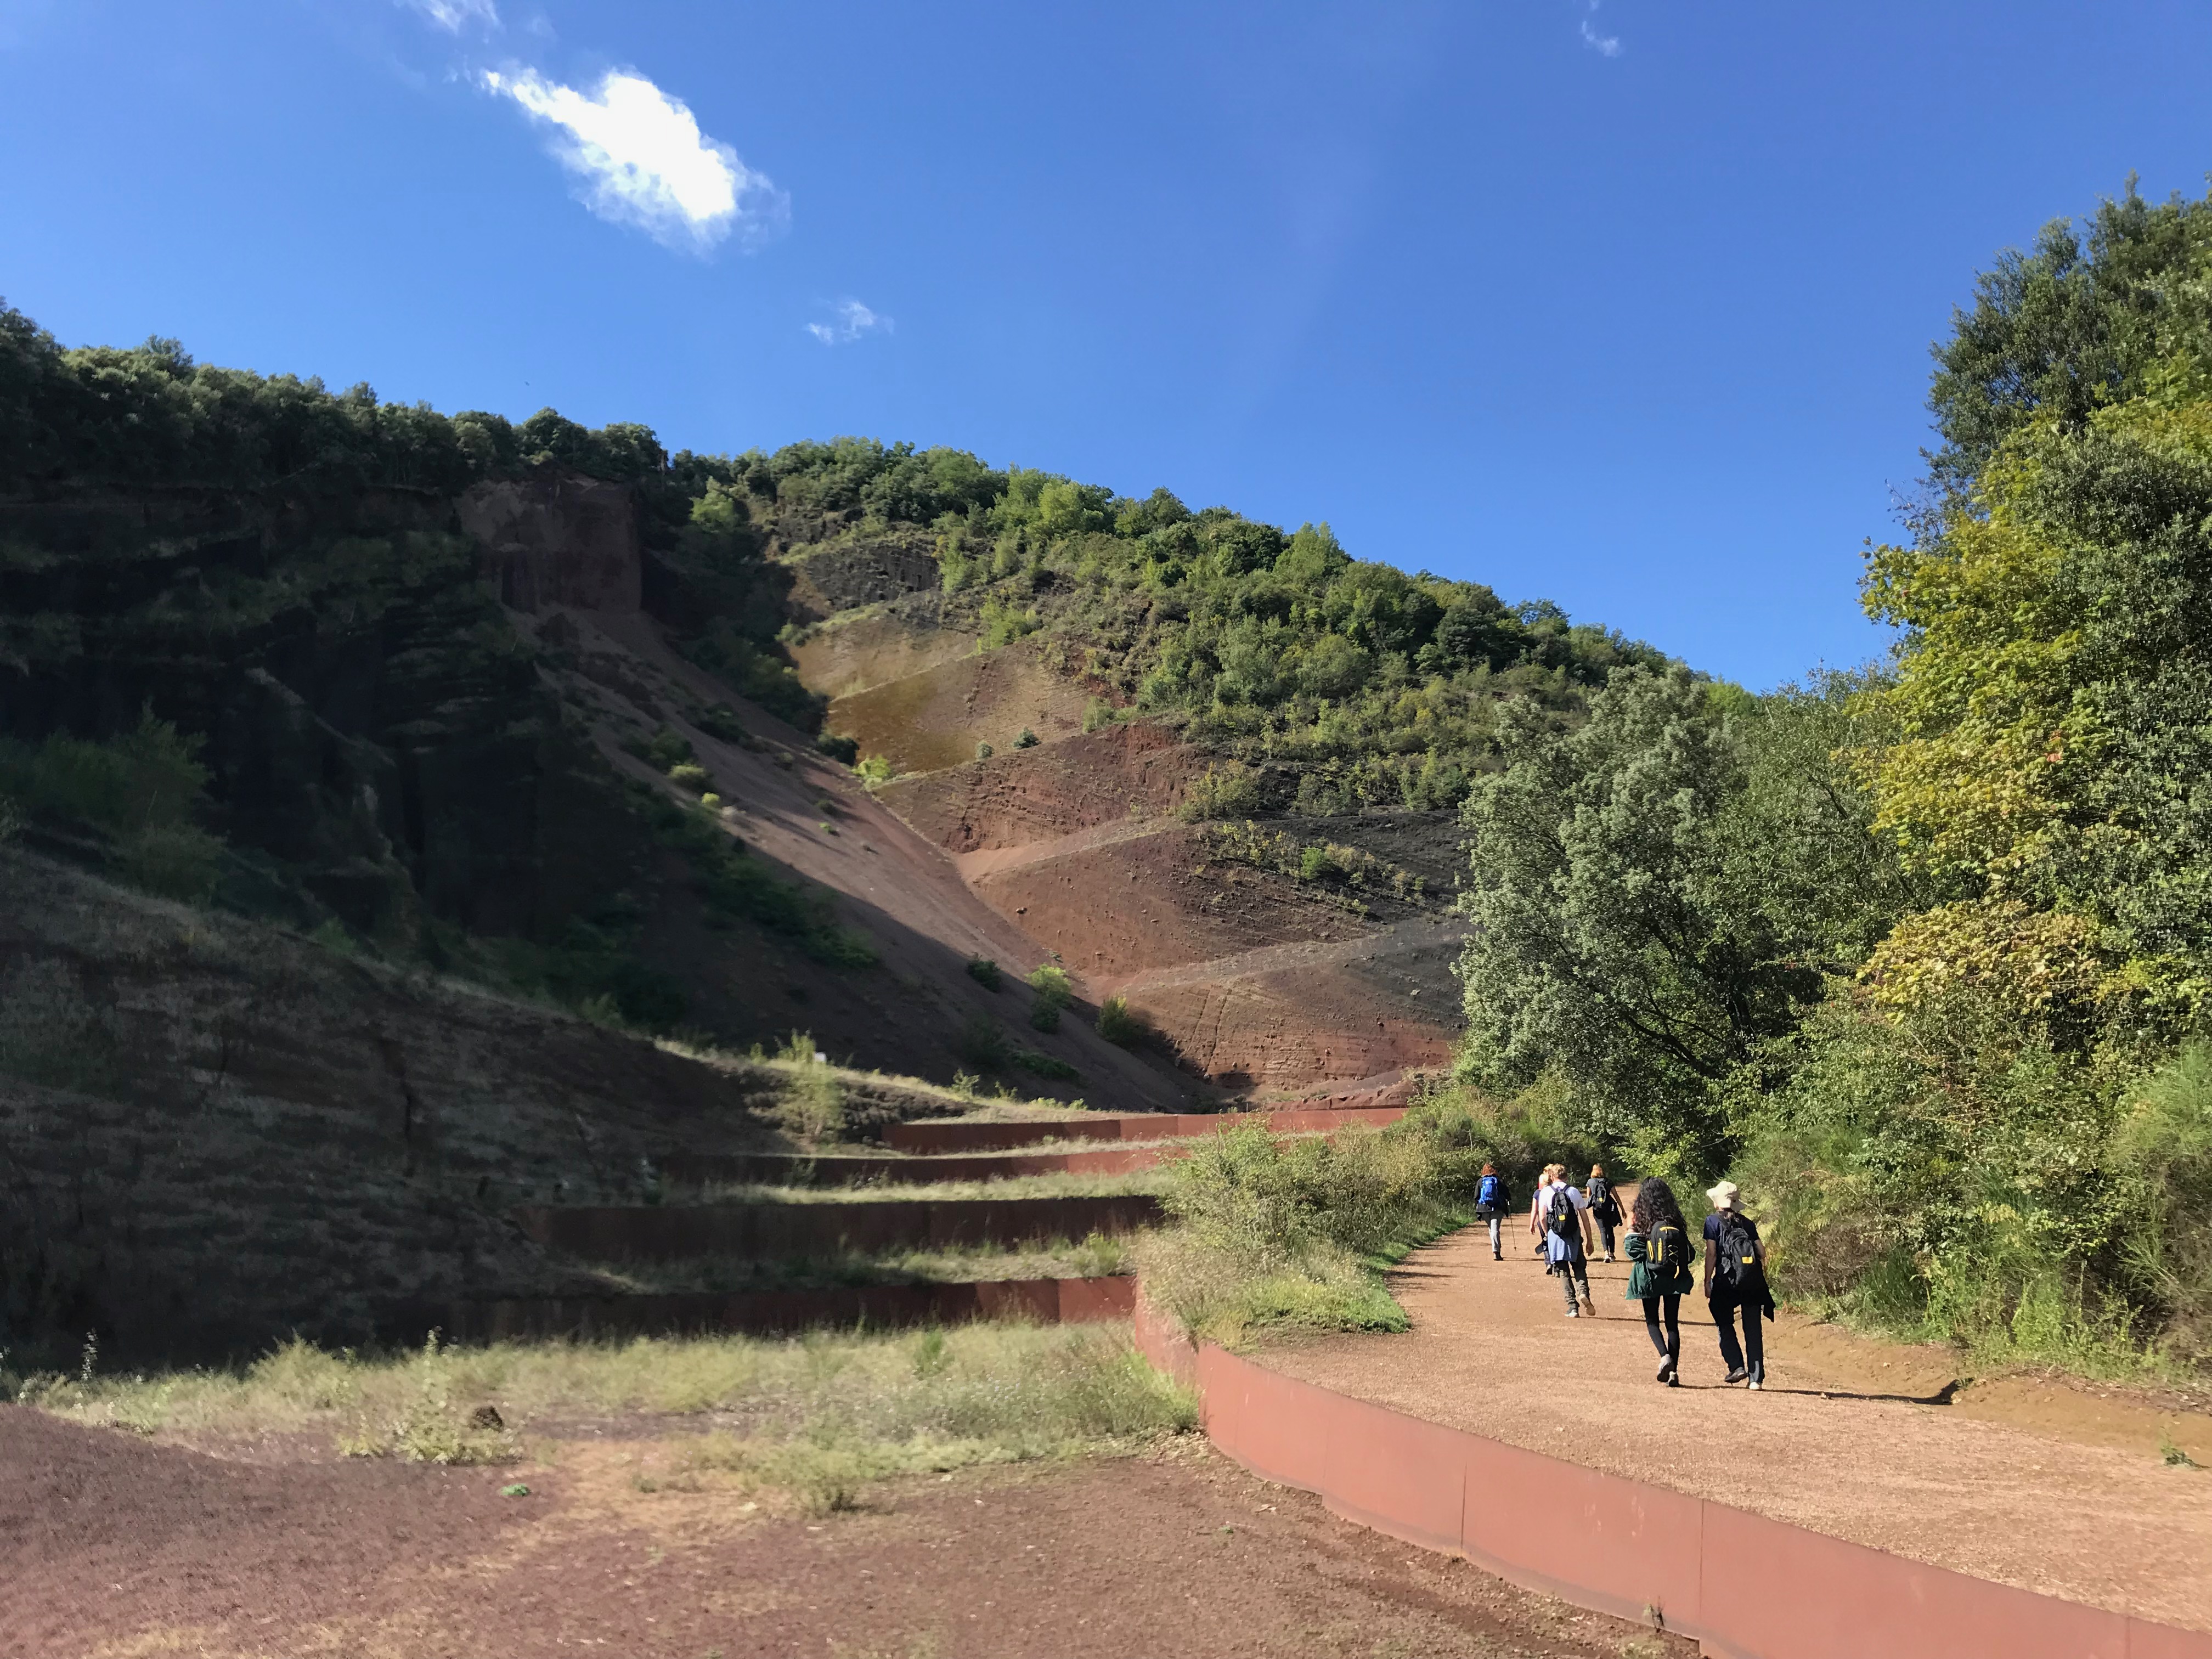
[1601, 1203]
[1737, 1263]
[1560, 1218]
[1667, 1251]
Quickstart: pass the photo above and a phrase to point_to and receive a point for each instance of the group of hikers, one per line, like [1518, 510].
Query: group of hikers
[1569, 1224]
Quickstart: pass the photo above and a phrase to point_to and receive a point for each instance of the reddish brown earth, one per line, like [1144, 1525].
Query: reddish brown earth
[110, 1546]
[873, 648]
[934, 718]
[2037, 1485]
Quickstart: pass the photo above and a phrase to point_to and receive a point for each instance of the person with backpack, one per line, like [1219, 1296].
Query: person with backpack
[1658, 1245]
[1540, 1207]
[1604, 1206]
[1567, 1244]
[1492, 1199]
[1735, 1279]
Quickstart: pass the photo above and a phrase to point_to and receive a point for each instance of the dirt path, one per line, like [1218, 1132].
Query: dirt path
[112, 1548]
[2030, 1484]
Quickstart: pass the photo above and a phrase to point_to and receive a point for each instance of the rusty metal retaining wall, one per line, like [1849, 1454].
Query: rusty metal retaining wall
[672, 1232]
[1047, 1301]
[852, 1169]
[1744, 1586]
[964, 1135]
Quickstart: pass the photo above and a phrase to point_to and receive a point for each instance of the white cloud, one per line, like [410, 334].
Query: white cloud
[1605, 46]
[852, 320]
[454, 16]
[641, 160]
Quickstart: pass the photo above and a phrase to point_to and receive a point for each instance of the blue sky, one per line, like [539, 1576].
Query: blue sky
[1625, 306]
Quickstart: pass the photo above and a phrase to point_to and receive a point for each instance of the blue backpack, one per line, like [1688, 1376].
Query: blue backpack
[1487, 1195]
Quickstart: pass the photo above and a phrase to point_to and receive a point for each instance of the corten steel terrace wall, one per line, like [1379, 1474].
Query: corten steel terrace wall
[1744, 1586]
[672, 1232]
[850, 1170]
[1047, 1301]
[967, 1136]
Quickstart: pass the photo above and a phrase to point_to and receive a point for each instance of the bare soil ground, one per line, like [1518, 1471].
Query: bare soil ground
[2022, 1479]
[110, 1546]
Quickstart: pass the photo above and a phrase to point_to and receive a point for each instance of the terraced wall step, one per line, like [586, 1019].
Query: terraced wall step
[968, 1135]
[860, 1170]
[676, 1232]
[767, 1313]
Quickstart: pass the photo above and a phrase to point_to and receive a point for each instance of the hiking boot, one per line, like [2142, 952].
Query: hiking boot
[1736, 1374]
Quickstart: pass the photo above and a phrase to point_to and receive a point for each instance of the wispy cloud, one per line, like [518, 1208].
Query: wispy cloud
[640, 159]
[1605, 46]
[454, 16]
[853, 319]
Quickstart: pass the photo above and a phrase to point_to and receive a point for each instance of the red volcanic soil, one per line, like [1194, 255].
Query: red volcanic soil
[1127, 772]
[112, 1547]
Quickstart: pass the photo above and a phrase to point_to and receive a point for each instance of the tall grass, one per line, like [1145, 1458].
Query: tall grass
[818, 1415]
[1275, 1235]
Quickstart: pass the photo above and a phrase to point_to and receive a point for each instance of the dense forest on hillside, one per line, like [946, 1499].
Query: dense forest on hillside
[1925, 953]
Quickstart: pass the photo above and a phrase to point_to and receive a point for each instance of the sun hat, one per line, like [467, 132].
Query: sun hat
[1723, 1195]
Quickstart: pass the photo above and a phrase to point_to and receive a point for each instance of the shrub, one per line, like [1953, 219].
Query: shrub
[1225, 791]
[1028, 739]
[812, 1107]
[985, 972]
[690, 775]
[982, 1044]
[846, 751]
[876, 769]
[984, 751]
[1028, 1059]
[1097, 713]
[1116, 1024]
[1275, 1233]
[1054, 992]
[140, 793]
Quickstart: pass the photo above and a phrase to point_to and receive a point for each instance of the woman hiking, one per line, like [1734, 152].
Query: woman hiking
[1566, 1243]
[1735, 1278]
[1604, 1206]
[1492, 1199]
[1658, 1245]
[1541, 1206]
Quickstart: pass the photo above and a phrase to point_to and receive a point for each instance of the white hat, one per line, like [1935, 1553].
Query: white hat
[1723, 1195]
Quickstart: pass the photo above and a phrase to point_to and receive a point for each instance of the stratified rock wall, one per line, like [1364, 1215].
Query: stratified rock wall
[558, 538]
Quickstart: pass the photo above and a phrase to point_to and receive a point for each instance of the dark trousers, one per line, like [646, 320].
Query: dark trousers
[1604, 1232]
[1573, 1268]
[1724, 1307]
[1669, 1345]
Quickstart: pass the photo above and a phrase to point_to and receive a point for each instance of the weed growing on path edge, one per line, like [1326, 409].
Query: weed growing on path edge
[817, 1416]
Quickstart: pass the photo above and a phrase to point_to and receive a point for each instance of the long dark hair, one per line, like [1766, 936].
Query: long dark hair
[1654, 1203]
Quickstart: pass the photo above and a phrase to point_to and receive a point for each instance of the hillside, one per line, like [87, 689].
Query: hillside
[537, 706]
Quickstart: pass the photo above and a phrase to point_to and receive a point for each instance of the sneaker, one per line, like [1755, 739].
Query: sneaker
[1672, 1381]
[1753, 1384]
[1608, 1256]
[1574, 1312]
[1590, 1309]
[1736, 1374]
[1666, 1371]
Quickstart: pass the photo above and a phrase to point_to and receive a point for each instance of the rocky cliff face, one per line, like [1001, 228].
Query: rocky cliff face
[557, 538]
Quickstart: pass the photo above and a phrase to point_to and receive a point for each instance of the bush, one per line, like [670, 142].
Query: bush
[984, 751]
[846, 751]
[1273, 1233]
[1028, 739]
[812, 1107]
[982, 1045]
[1225, 791]
[1054, 991]
[140, 793]
[1098, 712]
[1117, 1025]
[688, 776]
[2165, 1145]
[985, 972]
[1028, 1059]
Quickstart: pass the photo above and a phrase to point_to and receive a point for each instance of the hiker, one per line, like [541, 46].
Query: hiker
[1735, 1278]
[1492, 1199]
[1540, 1206]
[1605, 1207]
[1658, 1244]
[1566, 1243]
